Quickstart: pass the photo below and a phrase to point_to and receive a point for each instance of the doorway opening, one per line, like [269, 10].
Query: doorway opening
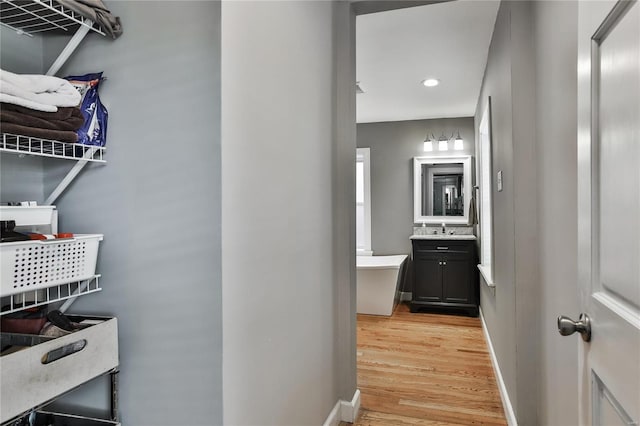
[421, 349]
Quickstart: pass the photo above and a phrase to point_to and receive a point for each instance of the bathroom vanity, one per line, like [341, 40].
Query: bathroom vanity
[445, 274]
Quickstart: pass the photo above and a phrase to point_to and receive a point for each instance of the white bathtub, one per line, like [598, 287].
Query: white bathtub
[378, 283]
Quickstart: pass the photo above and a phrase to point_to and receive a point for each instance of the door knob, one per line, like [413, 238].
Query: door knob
[567, 326]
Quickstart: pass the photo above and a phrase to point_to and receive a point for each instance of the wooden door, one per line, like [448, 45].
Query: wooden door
[609, 210]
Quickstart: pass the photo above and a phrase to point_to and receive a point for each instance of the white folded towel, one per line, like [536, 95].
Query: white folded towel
[39, 92]
[10, 99]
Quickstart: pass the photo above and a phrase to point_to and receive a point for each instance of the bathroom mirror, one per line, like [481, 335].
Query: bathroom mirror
[441, 189]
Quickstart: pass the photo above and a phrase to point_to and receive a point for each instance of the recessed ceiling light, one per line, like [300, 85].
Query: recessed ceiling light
[431, 82]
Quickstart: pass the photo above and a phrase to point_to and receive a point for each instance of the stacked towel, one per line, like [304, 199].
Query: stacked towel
[38, 92]
[39, 106]
[61, 125]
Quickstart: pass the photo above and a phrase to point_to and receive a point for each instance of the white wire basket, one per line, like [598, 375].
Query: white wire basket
[34, 265]
[35, 16]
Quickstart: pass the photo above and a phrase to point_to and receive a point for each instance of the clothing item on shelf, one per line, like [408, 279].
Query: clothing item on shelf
[68, 136]
[61, 125]
[15, 100]
[38, 92]
[97, 12]
[28, 321]
[66, 118]
[60, 325]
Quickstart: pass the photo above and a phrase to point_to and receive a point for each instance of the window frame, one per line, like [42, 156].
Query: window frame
[485, 198]
[363, 155]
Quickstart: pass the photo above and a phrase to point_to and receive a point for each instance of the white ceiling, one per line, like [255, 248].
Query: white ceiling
[396, 50]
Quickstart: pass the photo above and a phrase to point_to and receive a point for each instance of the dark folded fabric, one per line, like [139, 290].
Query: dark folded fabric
[97, 12]
[63, 113]
[73, 123]
[56, 135]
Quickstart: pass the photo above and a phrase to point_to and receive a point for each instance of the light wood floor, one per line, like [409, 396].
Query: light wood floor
[425, 369]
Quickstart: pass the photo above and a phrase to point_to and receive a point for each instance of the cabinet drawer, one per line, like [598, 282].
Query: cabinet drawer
[443, 246]
[46, 369]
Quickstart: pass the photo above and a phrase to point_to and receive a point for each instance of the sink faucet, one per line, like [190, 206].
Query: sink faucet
[443, 230]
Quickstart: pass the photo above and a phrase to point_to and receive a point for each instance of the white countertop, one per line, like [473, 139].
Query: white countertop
[443, 237]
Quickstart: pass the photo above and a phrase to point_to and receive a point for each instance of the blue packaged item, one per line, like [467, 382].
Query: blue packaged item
[94, 129]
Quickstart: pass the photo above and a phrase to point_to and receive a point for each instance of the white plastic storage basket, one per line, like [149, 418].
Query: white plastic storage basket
[34, 265]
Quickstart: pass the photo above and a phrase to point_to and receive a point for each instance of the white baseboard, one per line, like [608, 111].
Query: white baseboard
[506, 402]
[344, 411]
[350, 409]
[405, 296]
[334, 416]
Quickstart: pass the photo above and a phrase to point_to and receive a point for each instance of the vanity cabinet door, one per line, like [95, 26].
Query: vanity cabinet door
[456, 279]
[428, 279]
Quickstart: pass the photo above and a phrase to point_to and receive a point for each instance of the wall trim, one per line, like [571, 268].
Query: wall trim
[344, 411]
[405, 296]
[504, 395]
[350, 409]
[334, 416]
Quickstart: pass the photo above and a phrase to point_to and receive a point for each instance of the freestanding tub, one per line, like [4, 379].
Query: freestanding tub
[378, 283]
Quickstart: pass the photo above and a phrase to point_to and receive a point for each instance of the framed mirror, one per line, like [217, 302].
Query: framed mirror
[441, 189]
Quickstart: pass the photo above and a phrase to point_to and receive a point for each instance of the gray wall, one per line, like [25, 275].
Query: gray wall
[284, 161]
[525, 202]
[393, 145]
[20, 178]
[509, 309]
[531, 77]
[20, 53]
[498, 305]
[158, 203]
[555, 35]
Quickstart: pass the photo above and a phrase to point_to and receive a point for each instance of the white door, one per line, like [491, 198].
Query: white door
[609, 210]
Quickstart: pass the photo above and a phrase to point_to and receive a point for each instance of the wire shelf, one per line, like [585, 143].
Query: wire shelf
[58, 293]
[49, 148]
[36, 16]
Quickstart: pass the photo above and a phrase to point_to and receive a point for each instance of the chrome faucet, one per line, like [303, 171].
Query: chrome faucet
[443, 230]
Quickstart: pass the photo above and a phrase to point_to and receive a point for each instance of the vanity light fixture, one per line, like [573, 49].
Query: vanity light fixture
[458, 144]
[443, 143]
[430, 82]
[428, 142]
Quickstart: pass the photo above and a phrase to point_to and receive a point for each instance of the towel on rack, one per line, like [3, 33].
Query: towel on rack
[97, 12]
[39, 92]
[49, 134]
[473, 212]
[66, 118]
[63, 113]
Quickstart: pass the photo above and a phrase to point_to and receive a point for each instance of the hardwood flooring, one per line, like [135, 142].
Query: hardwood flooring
[425, 369]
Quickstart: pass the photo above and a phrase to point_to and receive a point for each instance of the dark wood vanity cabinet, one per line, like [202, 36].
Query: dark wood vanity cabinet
[445, 276]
